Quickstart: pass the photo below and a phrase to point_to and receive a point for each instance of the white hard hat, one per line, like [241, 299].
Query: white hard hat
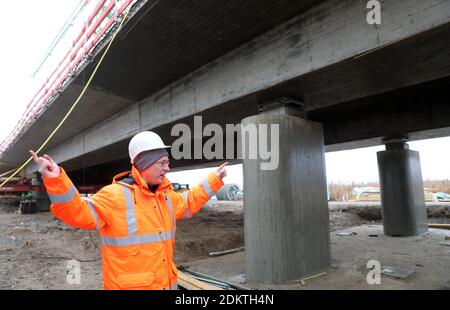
[144, 141]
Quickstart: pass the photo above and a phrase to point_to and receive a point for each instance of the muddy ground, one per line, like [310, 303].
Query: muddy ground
[36, 248]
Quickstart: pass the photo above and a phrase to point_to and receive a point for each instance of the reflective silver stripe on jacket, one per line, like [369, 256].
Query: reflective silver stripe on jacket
[169, 203]
[134, 240]
[92, 209]
[207, 188]
[64, 198]
[187, 214]
[131, 216]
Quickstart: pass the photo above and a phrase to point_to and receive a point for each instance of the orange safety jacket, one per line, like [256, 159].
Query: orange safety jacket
[136, 226]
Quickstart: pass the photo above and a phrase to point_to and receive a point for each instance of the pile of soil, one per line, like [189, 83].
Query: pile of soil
[208, 231]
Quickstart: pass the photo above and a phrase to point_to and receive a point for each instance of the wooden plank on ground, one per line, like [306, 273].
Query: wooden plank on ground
[190, 283]
[441, 226]
[226, 251]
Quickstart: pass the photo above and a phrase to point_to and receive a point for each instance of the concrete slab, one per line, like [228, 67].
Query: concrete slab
[327, 56]
[395, 272]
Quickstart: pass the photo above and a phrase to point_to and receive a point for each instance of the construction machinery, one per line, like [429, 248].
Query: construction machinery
[178, 187]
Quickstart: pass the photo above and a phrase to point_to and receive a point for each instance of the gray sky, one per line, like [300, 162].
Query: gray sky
[361, 164]
[30, 26]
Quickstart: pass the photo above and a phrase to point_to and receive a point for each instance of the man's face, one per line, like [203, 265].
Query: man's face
[155, 173]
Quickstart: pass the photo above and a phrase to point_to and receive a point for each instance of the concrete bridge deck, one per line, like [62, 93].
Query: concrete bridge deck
[221, 59]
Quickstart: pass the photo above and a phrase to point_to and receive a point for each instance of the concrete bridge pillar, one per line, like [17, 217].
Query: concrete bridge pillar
[402, 193]
[43, 202]
[285, 209]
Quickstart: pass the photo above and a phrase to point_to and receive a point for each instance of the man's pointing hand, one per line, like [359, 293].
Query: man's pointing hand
[47, 166]
[221, 172]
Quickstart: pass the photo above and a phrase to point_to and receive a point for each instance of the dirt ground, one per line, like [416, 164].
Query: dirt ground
[424, 255]
[36, 248]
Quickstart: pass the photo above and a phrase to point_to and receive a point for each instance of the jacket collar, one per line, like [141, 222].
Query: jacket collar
[139, 180]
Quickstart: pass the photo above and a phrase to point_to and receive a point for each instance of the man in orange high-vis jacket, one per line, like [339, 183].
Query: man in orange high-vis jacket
[135, 215]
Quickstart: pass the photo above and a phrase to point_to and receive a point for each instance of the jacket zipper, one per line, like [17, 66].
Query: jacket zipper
[165, 242]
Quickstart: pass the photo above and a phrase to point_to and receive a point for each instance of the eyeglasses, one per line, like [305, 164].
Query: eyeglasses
[162, 164]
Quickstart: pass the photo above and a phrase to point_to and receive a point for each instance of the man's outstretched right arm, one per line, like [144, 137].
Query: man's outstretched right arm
[67, 204]
[69, 207]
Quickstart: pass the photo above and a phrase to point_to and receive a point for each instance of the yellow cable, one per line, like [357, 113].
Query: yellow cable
[74, 104]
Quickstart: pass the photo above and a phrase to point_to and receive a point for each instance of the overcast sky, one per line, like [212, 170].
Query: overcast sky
[28, 28]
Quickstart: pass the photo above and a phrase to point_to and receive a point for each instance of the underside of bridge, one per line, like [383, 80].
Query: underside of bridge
[356, 85]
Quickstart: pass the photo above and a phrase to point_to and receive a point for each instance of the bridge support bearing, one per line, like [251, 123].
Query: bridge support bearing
[286, 219]
[43, 202]
[402, 195]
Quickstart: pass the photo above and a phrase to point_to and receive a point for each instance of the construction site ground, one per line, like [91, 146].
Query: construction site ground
[35, 250]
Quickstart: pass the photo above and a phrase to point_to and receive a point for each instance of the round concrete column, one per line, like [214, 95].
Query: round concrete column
[285, 209]
[402, 193]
